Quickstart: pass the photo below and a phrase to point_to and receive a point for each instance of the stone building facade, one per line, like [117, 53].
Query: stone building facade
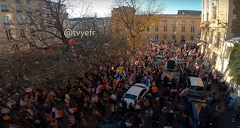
[167, 27]
[220, 22]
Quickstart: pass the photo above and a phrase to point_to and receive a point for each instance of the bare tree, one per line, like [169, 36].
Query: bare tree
[41, 24]
[133, 16]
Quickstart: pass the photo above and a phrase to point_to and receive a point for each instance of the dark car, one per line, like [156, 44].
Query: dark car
[200, 114]
[115, 120]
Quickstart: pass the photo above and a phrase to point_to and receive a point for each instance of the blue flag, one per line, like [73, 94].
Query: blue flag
[147, 82]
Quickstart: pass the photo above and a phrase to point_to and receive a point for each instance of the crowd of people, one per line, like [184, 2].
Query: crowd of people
[48, 107]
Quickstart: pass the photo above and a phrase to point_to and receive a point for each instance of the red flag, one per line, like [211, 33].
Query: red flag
[57, 46]
[69, 43]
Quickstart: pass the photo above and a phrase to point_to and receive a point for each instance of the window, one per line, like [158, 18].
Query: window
[193, 21]
[27, 1]
[156, 28]
[22, 33]
[174, 21]
[165, 37]
[165, 21]
[191, 37]
[32, 32]
[192, 29]
[3, 0]
[173, 37]
[183, 21]
[17, 1]
[217, 39]
[156, 37]
[165, 28]
[129, 96]
[5, 20]
[148, 29]
[4, 8]
[29, 20]
[28, 9]
[227, 53]
[142, 93]
[183, 28]
[148, 36]
[174, 28]
[9, 35]
[182, 37]
[18, 8]
[19, 19]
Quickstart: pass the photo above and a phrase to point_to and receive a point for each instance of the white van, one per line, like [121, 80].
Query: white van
[195, 85]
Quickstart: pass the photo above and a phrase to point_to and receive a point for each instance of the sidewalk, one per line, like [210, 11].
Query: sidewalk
[225, 120]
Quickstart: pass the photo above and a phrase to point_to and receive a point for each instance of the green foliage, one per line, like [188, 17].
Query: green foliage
[234, 64]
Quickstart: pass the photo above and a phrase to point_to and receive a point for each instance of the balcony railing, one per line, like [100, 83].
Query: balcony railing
[204, 24]
[5, 10]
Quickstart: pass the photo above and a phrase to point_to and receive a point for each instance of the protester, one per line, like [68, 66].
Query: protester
[85, 93]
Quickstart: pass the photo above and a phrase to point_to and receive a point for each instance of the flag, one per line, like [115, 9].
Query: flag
[99, 88]
[70, 111]
[120, 70]
[55, 114]
[200, 74]
[131, 76]
[172, 90]
[117, 79]
[84, 46]
[199, 35]
[147, 82]
[181, 93]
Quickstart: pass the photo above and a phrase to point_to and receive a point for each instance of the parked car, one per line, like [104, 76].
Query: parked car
[199, 114]
[135, 92]
[196, 86]
[115, 120]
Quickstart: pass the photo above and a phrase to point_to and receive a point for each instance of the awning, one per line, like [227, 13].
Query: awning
[235, 40]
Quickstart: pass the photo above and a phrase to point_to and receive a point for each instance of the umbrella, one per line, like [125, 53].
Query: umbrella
[99, 88]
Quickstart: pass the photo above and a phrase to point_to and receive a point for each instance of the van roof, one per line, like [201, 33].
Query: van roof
[195, 81]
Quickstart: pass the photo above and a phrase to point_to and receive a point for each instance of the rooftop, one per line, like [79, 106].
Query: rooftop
[189, 12]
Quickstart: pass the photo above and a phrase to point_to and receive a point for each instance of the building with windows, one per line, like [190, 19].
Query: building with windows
[21, 20]
[175, 27]
[220, 26]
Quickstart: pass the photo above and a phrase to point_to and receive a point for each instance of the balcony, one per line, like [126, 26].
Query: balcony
[204, 24]
[5, 10]
[213, 23]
